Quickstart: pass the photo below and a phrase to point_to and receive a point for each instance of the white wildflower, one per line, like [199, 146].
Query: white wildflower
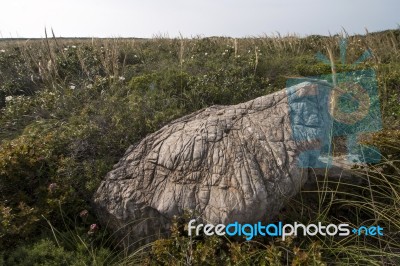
[72, 87]
[122, 78]
[73, 46]
[9, 98]
[2, 51]
[205, 53]
[89, 86]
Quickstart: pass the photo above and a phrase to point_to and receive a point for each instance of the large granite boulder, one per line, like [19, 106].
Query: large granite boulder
[224, 163]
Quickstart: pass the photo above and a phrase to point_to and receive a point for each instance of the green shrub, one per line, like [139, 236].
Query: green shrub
[18, 76]
[46, 252]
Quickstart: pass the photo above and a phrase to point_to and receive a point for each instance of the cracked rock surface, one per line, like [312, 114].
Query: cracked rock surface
[224, 163]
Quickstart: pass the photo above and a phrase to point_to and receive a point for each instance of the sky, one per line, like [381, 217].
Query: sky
[189, 18]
